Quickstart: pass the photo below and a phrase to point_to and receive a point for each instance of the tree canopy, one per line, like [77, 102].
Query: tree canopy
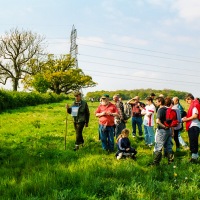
[57, 74]
[17, 48]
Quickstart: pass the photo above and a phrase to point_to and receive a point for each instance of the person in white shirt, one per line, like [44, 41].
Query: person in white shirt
[148, 121]
[193, 126]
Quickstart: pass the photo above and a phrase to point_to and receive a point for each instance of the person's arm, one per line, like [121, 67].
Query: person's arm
[160, 124]
[194, 115]
[87, 115]
[129, 101]
[120, 145]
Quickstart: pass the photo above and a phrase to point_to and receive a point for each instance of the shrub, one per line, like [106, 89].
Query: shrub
[13, 99]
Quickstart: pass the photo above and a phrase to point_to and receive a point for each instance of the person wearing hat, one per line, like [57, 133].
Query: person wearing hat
[106, 112]
[81, 114]
[120, 122]
[136, 114]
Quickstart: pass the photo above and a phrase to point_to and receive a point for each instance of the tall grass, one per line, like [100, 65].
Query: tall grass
[34, 164]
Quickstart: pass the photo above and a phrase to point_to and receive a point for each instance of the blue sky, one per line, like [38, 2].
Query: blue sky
[122, 44]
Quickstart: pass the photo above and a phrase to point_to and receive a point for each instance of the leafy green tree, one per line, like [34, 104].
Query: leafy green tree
[17, 48]
[57, 74]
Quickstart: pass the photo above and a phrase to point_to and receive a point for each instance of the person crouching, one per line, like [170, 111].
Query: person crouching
[124, 146]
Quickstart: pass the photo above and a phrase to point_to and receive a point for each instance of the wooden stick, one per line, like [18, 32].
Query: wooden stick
[66, 129]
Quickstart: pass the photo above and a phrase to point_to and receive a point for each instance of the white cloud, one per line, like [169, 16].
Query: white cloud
[189, 10]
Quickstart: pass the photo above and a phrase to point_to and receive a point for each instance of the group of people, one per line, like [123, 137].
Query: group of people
[112, 123]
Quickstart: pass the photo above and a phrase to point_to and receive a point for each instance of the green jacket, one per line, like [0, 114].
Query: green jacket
[83, 114]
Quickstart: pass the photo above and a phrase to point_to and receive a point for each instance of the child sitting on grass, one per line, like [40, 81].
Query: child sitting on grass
[124, 146]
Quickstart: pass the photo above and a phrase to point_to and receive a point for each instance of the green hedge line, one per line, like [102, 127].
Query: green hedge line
[11, 99]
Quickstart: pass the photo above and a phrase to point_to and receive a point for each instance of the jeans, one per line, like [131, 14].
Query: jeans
[181, 141]
[163, 139]
[107, 137]
[138, 121]
[149, 134]
[119, 128]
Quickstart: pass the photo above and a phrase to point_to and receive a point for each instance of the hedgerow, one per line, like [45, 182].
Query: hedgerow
[13, 99]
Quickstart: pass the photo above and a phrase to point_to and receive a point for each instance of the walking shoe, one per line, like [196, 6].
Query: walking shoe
[76, 147]
[170, 158]
[186, 148]
[119, 156]
[150, 145]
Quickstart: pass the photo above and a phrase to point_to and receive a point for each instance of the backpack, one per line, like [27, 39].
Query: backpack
[196, 103]
[171, 118]
[127, 111]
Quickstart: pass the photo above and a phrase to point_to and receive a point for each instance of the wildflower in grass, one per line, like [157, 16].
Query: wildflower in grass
[175, 174]
[174, 166]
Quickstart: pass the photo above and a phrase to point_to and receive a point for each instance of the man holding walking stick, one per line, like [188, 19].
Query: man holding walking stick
[81, 114]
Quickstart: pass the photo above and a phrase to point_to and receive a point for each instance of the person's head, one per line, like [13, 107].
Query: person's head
[125, 132]
[161, 95]
[168, 101]
[77, 95]
[116, 98]
[149, 100]
[188, 98]
[136, 99]
[160, 101]
[175, 100]
[152, 95]
[105, 99]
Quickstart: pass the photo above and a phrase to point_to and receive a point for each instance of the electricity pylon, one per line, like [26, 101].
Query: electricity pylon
[74, 46]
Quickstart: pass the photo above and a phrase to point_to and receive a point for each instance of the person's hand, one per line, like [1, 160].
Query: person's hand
[103, 113]
[184, 119]
[127, 149]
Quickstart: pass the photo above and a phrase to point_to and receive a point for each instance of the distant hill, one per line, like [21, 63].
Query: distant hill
[142, 93]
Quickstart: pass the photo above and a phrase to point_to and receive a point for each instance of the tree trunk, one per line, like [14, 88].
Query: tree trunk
[15, 83]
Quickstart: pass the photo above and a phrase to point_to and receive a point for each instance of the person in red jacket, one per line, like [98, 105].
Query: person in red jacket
[193, 125]
[106, 112]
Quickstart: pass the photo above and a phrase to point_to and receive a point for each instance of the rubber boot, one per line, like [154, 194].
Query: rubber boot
[157, 159]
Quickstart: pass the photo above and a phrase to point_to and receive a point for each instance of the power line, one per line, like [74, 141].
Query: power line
[119, 66]
[148, 78]
[142, 54]
[140, 49]
[143, 80]
[131, 62]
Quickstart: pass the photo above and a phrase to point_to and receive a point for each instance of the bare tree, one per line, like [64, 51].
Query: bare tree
[17, 48]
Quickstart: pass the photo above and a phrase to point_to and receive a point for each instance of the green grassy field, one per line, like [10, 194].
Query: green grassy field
[35, 164]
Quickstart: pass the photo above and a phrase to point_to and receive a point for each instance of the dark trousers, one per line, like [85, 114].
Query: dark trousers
[193, 134]
[176, 138]
[118, 128]
[79, 132]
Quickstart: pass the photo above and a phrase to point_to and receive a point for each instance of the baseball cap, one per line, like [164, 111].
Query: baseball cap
[76, 93]
[104, 96]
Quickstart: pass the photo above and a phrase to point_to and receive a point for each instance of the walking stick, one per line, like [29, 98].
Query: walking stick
[66, 129]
